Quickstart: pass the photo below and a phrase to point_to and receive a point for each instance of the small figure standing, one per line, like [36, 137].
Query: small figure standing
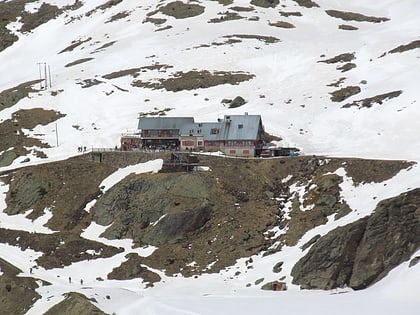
[69, 279]
[81, 281]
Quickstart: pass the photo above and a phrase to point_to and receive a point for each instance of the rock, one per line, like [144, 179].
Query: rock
[74, 303]
[414, 261]
[237, 102]
[174, 226]
[274, 286]
[362, 253]
[131, 205]
[309, 243]
[277, 267]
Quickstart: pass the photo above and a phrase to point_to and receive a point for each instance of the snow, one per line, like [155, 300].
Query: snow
[296, 106]
[152, 166]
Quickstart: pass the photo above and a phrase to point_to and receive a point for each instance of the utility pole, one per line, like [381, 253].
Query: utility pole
[56, 133]
[44, 75]
[49, 74]
[40, 75]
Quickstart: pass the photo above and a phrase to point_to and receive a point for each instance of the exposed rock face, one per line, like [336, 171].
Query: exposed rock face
[362, 253]
[16, 293]
[74, 303]
[132, 268]
[154, 210]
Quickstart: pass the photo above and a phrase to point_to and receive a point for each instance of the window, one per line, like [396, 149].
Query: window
[214, 131]
[188, 143]
[232, 151]
[240, 126]
[200, 143]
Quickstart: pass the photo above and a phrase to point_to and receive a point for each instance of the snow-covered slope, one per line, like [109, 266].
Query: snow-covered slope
[290, 88]
[293, 78]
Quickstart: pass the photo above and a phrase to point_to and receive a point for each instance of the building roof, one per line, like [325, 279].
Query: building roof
[231, 127]
[153, 123]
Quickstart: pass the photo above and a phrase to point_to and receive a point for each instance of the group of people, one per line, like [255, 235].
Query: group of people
[81, 149]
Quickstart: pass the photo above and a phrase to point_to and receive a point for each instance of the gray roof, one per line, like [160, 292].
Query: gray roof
[153, 123]
[231, 127]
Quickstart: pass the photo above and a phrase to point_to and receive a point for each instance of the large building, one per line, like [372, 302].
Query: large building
[235, 135]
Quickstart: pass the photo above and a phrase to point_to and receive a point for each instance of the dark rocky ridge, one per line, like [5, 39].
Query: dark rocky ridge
[362, 253]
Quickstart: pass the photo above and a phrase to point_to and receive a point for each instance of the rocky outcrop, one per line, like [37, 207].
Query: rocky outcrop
[174, 226]
[16, 293]
[75, 303]
[360, 254]
[133, 268]
[154, 210]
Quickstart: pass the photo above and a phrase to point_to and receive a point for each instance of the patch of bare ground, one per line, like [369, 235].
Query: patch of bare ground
[17, 294]
[287, 14]
[155, 112]
[12, 136]
[282, 24]
[226, 16]
[64, 188]
[373, 171]
[193, 79]
[307, 3]
[346, 57]
[181, 10]
[75, 303]
[241, 9]
[167, 27]
[12, 96]
[265, 39]
[370, 101]
[74, 44]
[347, 67]
[224, 2]
[344, 93]
[103, 47]
[265, 3]
[10, 11]
[89, 83]
[118, 16]
[59, 249]
[78, 62]
[351, 16]
[132, 268]
[337, 83]
[347, 27]
[103, 7]
[403, 48]
[45, 13]
[135, 72]
[156, 21]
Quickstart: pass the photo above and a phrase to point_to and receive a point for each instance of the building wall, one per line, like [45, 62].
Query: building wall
[194, 142]
[239, 151]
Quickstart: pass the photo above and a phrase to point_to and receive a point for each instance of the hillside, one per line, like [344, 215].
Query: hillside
[337, 80]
